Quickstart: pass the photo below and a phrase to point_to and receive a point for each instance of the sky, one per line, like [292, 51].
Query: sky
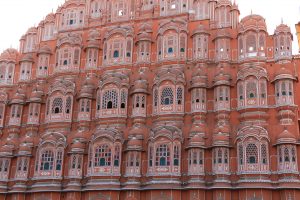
[16, 16]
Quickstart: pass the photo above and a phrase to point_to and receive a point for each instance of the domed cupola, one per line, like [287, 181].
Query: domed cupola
[283, 39]
[222, 78]
[19, 97]
[197, 141]
[44, 50]
[286, 137]
[220, 140]
[252, 38]
[252, 22]
[9, 55]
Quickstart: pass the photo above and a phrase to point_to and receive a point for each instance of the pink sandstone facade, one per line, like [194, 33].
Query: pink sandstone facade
[150, 100]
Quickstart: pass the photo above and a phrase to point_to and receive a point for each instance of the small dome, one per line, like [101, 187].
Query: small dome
[196, 141]
[36, 96]
[137, 130]
[134, 143]
[19, 96]
[32, 30]
[87, 89]
[253, 22]
[6, 149]
[220, 140]
[77, 145]
[284, 73]
[50, 18]
[282, 28]
[44, 50]
[27, 58]
[9, 55]
[222, 79]
[223, 33]
[286, 137]
[197, 129]
[222, 129]
[24, 148]
[140, 84]
[201, 30]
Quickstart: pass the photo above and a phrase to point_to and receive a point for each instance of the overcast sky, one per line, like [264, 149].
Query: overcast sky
[16, 16]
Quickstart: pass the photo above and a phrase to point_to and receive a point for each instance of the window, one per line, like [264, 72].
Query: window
[179, 96]
[198, 99]
[47, 160]
[6, 73]
[200, 46]
[162, 155]
[103, 156]
[284, 92]
[68, 105]
[43, 65]
[67, 58]
[251, 43]
[110, 99]
[287, 158]
[92, 58]
[25, 73]
[96, 8]
[123, 99]
[144, 51]
[4, 168]
[252, 154]
[120, 10]
[196, 157]
[167, 96]
[176, 156]
[48, 31]
[57, 106]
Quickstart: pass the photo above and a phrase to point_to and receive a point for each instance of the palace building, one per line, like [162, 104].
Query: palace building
[150, 100]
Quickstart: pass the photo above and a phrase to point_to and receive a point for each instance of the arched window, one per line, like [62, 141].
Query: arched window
[167, 96]
[163, 155]
[57, 105]
[252, 154]
[103, 156]
[110, 99]
[47, 160]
